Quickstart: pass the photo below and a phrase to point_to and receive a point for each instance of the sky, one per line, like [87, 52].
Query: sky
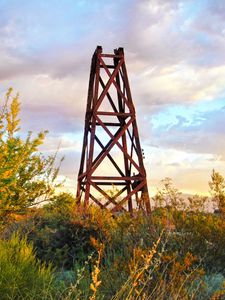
[175, 57]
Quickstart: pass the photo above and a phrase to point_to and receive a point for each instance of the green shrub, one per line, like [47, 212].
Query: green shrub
[21, 275]
[63, 244]
[60, 235]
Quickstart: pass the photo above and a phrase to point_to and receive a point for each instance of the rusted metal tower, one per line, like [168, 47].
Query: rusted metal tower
[111, 157]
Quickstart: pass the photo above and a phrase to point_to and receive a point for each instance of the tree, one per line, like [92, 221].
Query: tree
[27, 177]
[217, 190]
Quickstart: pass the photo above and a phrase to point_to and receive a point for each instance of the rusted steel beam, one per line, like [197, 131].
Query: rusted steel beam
[109, 124]
[124, 138]
[109, 183]
[127, 178]
[110, 113]
[114, 83]
[108, 84]
[111, 55]
[115, 92]
[115, 141]
[108, 66]
[96, 201]
[109, 156]
[120, 203]
[116, 196]
[110, 199]
[108, 95]
[93, 129]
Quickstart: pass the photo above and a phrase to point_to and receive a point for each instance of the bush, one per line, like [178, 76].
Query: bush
[21, 275]
[27, 177]
[58, 237]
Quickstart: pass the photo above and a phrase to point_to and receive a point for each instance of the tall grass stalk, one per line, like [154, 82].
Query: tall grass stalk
[130, 288]
[94, 286]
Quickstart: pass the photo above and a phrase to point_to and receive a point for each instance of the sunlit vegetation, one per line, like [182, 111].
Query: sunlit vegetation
[27, 177]
[56, 251]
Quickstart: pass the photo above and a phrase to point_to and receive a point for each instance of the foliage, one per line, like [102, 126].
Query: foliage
[58, 236]
[169, 196]
[26, 176]
[217, 189]
[204, 235]
[155, 275]
[137, 260]
[21, 275]
[197, 203]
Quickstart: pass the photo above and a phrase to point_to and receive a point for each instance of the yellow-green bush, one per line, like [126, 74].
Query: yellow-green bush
[21, 275]
[26, 176]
